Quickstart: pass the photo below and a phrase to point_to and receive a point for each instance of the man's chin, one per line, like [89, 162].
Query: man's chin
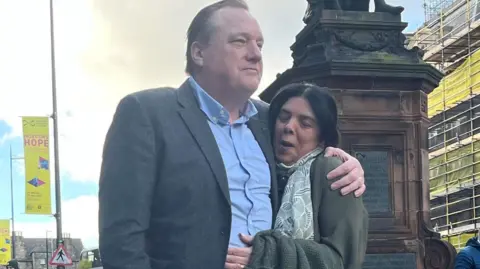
[251, 83]
[252, 88]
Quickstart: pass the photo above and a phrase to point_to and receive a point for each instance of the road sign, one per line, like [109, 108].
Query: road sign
[60, 257]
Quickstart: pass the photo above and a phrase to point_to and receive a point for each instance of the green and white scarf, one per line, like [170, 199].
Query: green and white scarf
[295, 217]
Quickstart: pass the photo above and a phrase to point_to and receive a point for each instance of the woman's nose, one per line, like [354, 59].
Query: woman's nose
[288, 129]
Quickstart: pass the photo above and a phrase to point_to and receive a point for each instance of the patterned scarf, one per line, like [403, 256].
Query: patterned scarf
[295, 217]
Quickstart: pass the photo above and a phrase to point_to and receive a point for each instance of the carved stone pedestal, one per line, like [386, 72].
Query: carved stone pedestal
[381, 90]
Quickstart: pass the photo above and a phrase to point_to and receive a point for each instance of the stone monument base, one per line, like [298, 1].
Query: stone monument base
[381, 90]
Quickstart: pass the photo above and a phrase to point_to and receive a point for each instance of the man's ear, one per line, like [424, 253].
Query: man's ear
[196, 51]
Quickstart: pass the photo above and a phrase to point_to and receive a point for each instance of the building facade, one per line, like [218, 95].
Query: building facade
[450, 38]
[34, 253]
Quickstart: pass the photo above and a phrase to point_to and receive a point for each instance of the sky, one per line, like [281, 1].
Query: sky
[105, 49]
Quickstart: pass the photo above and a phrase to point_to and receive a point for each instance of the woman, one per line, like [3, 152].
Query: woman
[315, 227]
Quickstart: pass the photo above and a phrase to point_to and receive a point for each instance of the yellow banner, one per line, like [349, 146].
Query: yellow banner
[5, 243]
[37, 165]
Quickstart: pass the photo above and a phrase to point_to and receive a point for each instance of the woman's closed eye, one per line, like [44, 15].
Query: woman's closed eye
[306, 123]
[284, 117]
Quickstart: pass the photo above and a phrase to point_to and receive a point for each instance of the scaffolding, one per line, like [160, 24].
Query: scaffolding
[433, 8]
[450, 39]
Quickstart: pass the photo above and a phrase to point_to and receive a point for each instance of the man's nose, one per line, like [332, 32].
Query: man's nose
[254, 52]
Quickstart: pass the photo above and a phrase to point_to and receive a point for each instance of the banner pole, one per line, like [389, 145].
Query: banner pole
[13, 239]
[58, 199]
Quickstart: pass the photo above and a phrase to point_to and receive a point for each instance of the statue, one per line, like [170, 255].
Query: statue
[314, 6]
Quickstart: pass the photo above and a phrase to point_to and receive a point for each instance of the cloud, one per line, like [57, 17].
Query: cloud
[7, 136]
[84, 108]
[80, 220]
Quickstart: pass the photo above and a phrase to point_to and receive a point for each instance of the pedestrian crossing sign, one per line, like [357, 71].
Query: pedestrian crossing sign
[60, 257]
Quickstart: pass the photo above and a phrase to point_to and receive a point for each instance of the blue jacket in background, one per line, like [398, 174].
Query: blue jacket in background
[469, 257]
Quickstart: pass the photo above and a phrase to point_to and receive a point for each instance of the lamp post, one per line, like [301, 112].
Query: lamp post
[12, 204]
[46, 248]
[58, 200]
[12, 201]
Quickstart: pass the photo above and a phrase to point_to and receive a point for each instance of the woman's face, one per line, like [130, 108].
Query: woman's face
[296, 131]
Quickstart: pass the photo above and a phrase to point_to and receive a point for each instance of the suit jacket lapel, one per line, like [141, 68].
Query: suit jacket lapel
[196, 122]
[260, 131]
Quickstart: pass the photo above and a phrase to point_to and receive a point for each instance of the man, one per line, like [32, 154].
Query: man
[186, 170]
[469, 257]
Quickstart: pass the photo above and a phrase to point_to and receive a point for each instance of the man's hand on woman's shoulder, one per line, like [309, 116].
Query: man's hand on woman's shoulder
[353, 179]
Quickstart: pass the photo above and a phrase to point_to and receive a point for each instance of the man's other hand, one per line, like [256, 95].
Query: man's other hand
[238, 258]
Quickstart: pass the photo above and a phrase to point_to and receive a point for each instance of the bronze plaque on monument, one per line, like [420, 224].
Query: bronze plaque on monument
[381, 90]
[376, 164]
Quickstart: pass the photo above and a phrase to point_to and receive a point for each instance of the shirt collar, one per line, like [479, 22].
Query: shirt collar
[215, 112]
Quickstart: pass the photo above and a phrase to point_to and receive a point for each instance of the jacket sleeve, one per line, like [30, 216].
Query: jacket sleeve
[126, 184]
[343, 220]
[464, 261]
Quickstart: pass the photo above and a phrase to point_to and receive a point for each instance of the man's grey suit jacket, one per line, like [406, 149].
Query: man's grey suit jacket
[164, 199]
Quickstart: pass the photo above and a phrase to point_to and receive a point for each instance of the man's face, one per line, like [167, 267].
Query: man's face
[233, 56]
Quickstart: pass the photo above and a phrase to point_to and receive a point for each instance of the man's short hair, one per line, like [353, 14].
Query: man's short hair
[201, 28]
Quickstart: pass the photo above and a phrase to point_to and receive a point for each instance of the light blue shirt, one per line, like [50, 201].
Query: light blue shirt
[247, 169]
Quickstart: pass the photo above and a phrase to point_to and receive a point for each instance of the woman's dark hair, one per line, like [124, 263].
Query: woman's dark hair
[323, 106]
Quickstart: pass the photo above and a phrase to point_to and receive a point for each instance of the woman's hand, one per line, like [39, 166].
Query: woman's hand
[352, 171]
[238, 258]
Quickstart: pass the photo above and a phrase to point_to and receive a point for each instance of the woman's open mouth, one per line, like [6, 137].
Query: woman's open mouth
[286, 144]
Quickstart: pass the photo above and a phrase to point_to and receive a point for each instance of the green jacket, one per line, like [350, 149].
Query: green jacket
[340, 230]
